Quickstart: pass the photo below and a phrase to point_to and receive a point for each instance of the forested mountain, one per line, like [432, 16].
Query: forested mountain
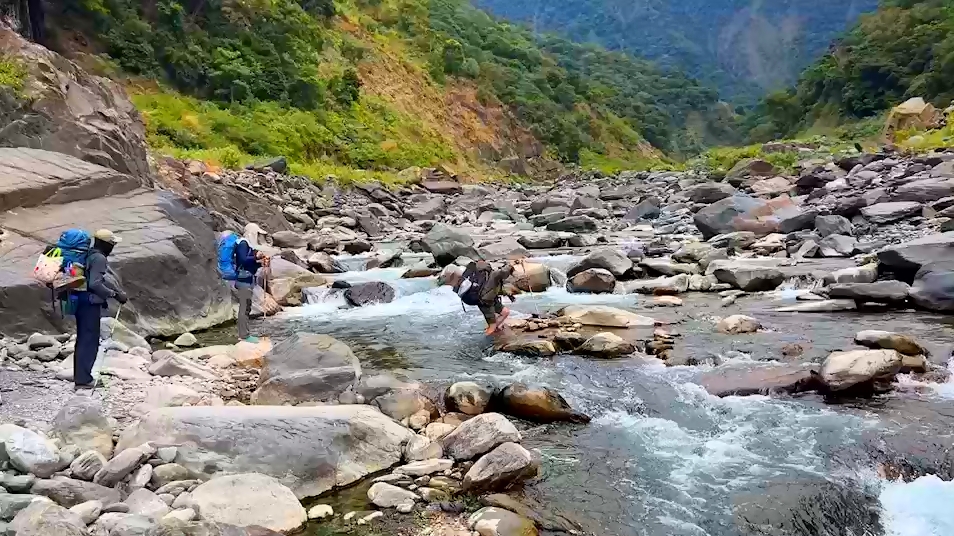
[379, 85]
[743, 47]
[905, 49]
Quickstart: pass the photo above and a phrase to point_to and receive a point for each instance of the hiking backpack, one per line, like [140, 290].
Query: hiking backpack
[74, 246]
[472, 283]
[226, 245]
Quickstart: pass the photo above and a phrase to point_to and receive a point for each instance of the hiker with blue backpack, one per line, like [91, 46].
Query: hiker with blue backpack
[239, 261]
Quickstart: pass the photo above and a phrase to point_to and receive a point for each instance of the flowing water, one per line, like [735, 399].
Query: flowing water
[663, 457]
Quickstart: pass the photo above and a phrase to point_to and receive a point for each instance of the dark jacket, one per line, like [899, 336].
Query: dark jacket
[99, 287]
[246, 262]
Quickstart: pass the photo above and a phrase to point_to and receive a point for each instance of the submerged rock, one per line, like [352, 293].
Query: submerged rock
[760, 380]
[605, 316]
[737, 324]
[537, 404]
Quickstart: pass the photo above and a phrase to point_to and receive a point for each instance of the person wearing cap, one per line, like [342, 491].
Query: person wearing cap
[248, 260]
[90, 305]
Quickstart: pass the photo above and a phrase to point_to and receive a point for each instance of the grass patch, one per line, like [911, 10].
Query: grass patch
[13, 74]
[720, 160]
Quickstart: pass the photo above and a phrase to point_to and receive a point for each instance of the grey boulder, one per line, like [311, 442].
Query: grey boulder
[502, 468]
[479, 435]
[306, 367]
[82, 422]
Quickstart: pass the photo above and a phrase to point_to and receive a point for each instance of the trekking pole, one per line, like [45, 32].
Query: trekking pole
[112, 328]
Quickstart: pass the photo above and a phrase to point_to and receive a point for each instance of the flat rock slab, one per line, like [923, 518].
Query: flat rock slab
[756, 380]
[309, 449]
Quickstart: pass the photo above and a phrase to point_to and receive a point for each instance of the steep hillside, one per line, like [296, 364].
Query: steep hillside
[905, 49]
[370, 87]
[743, 47]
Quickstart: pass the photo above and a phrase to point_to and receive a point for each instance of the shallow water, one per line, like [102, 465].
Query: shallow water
[662, 457]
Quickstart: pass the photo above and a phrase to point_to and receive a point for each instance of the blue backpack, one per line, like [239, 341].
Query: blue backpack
[228, 267]
[74, 245]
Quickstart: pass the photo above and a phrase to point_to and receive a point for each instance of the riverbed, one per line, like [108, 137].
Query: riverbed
[662, 456]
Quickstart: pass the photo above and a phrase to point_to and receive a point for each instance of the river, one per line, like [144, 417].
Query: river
[661, 456]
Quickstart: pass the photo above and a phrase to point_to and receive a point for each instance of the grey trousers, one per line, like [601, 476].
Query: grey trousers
[244, 291]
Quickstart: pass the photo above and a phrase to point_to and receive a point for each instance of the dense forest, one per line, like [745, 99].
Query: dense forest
[239, 79]
[743, 47]
[905, 49]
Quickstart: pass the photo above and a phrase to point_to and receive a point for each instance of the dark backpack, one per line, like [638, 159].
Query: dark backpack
[476, 279]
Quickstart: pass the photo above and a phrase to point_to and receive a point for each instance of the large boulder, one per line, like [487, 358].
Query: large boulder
[842, 371]
[933, 287]
[605, 316]
[30, 452]
[540, 240]
[306, 368]
[82, 422]
[574, 224]
[880, 291]
[166, 262]
[593, 281]
[537, 404]
[502, 468]
[70, 492]
[760, 380]
[309, 449]
[833, 224]
[748, 168]
[250, 499]
[429, 209]
[530, 277]
[69, 111]
[369, 293]
[709, 192]
[44, 518]
[612, 260]
[507, 248]
[384, 495]
[924, 191]
[606, 345]
[479, 435]
[676, 284]
[909, 257]
[748, 277]
[446, 244]
[287, 290]
[743, 213]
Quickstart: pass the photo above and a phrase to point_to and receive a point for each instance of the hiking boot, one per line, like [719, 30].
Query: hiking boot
[84, 386]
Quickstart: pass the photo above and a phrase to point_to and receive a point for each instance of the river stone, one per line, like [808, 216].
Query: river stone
[605, 316]
[610, 259]
[669, 268]
[500, 469]
[145, 503]
[574, 224]
[749, 278]
[737, 324]
[425, 467]
[933, 287]
[141, 478]
[709, 192]
[856, 274]
[87, 464]
[117, 468]
[529, 347]
[890, 341]
[606, 345]
[833, 224]
[38, 341]
[469, 398]
[69, 492]
[755, 380]
[401, 404]
[531, 277]
[183, 515]
[446, 244]
[15, 483]
[909, 257]
[881, 291]
[677, 284]
[170, 472]
[384, 495]
[882, 213]
[508, 248]
[11, 504]
[88, 511]
[43, 518]
[82, 422]
[370, 293]
[311, 449]
[479, 435]
[493, 521]
[250, 499]
[420, 448]
[925, 190]
[723, 216]
[844, 370]
[537, 404]
[540, 240]
[593, 281]
[306, 368]
[173, 364]
[123, 524]
[437, 431]
[821, 306]
[29, 452]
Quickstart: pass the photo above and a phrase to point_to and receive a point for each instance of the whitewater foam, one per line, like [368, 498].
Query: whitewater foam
[918, 508]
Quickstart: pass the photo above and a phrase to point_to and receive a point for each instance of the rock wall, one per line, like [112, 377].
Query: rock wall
[166, 262]
[70, 111]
